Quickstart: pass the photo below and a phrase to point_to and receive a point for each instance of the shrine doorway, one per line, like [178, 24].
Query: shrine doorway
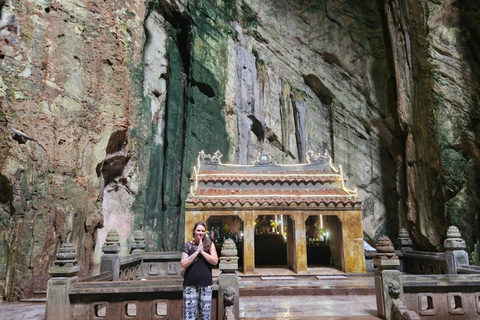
[318, 236]
[271, 241]
[222, 227]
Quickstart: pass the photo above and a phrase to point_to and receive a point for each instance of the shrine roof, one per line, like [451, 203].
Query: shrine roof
[265, 183]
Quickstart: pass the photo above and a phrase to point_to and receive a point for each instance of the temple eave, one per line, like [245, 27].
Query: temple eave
[343, 203]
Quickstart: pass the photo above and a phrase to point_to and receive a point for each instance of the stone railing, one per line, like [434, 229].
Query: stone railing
[439, 292]
[453, 261]
[142, 285]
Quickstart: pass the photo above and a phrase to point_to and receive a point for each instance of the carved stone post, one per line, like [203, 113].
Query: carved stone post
[111, 260]
[388, 280]
[228, 284]
[64, 273]
[455, 253]
[138, 242]
[404, 243]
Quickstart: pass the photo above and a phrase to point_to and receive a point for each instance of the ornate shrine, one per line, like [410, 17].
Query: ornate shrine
[299, 191]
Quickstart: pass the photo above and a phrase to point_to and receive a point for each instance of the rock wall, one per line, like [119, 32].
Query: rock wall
[106, 104]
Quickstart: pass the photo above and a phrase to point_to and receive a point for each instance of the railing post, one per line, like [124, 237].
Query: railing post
[388, 280]
[139, 244]
[64, 273]
[455, 253]
[228, 284]
[110, 259]
[404, 243]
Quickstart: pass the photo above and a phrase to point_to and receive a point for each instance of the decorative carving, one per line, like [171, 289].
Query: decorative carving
[228, 260]
[265, 159]
[229, 296]
[66, 264]
[206, 158]
[317, 158]
[385, 258]
[394, 289]
[66, 255]
[384, 245]
[139, 242]
[112, 242]
[454, 240]
[228, 302]
[229, 249]
[403, 241]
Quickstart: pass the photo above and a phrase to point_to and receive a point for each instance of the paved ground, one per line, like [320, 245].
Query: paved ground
[22, 311]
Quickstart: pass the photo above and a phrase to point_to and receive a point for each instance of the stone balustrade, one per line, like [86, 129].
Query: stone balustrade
[453, 261]
[433, 287]
[141, 285]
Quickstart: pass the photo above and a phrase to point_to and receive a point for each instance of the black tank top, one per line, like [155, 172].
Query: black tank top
[199, 273]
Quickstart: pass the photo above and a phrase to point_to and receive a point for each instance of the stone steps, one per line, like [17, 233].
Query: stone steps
[306, 307]
[297, 285]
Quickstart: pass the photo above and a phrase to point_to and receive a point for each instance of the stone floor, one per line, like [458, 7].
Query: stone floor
[276, 294]
[22, 311]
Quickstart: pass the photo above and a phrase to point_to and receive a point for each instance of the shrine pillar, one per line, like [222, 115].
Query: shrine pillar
[296, 243]
[249, 242]
[300, 243]
[354, 253]
[291, 256]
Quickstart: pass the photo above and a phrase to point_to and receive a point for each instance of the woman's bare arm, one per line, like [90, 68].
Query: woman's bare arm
[187, 260]
[211, 256]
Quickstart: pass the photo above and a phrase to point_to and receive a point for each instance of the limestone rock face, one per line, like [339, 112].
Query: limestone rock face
[106, 104]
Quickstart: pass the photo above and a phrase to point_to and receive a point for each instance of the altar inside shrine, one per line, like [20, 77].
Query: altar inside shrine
[306, 204]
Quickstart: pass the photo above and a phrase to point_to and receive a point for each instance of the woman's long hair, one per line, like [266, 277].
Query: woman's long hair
[206, 240]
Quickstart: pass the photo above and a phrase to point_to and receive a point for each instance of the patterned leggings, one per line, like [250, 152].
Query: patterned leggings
[191, 297]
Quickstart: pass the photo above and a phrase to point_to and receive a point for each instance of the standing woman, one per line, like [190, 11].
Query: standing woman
[198, 256]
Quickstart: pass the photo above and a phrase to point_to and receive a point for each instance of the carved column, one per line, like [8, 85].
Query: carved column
[110, 261]
[64, 273]
[228, 283]
[388, 280]
[455, 253]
